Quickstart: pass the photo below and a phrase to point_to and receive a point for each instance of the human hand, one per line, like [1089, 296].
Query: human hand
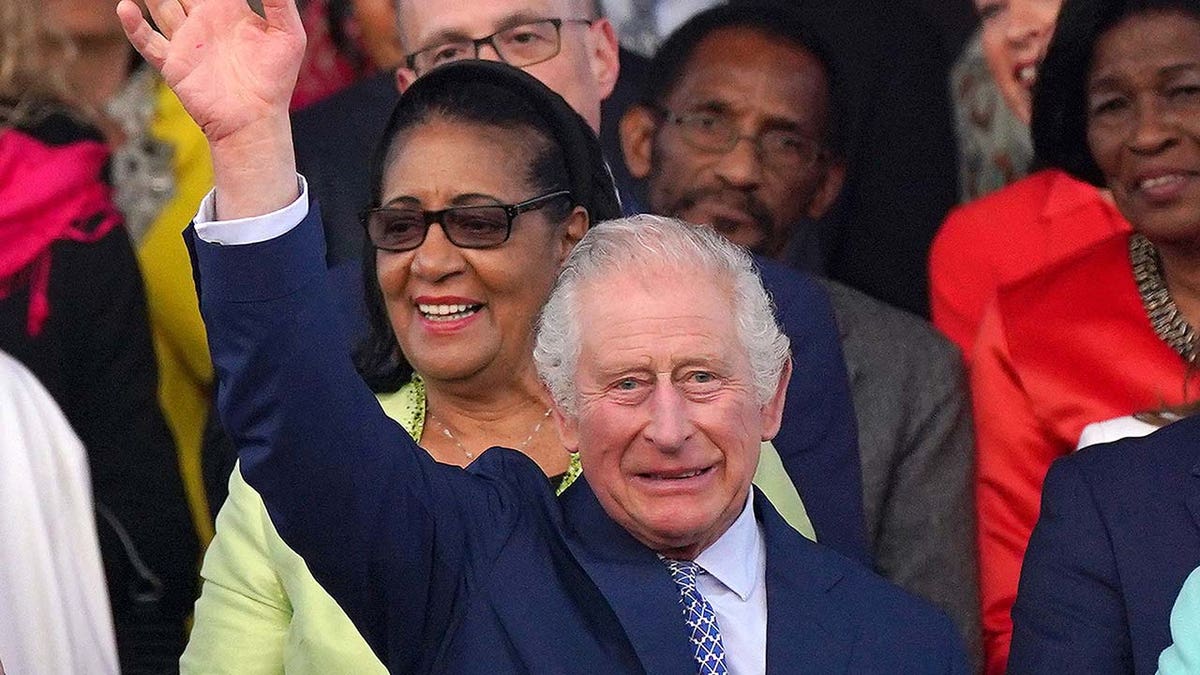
[230, 68]
[234, 72]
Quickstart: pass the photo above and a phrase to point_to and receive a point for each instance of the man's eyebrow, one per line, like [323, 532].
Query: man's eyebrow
[458, 35]
[719, 107]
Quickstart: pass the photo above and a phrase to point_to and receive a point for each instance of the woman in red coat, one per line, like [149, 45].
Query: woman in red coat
[1029, 225]
[1108, 332]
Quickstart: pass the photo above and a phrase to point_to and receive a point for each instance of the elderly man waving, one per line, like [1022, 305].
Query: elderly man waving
[666, 397]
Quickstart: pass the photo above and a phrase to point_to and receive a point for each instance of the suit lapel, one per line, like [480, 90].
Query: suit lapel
[637, 586]
[805, 630]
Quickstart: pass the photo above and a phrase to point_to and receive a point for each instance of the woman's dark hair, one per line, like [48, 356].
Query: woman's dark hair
[564, 156]
[1059, 124]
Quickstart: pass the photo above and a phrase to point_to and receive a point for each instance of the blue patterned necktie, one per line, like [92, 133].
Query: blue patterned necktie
[700, 618]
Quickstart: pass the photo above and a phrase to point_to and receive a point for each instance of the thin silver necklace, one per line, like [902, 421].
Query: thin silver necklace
[470, 455]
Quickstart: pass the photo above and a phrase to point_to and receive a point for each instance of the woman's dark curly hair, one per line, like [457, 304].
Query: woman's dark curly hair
[1060, 119]
[489, 94]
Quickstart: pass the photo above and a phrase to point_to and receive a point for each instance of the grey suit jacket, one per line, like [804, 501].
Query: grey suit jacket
[917, 446]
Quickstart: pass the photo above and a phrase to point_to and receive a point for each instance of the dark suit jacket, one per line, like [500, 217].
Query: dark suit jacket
[918, 454]
[818, 444]
[1119, 532]
[484, 570]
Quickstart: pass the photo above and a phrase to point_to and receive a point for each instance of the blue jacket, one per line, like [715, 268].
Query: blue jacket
[1119, 533]
[483, 570]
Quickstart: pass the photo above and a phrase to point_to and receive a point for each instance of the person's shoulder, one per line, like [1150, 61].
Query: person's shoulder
[1114, 467]
[894, 629]
[895, 333]
[890, 630]
[1074, 279]
[993, 212]
[54, 124]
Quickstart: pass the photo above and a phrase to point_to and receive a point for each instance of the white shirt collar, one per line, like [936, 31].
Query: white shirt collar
[734, 559]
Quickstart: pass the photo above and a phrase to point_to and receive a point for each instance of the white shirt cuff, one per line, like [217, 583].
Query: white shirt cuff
[250, 230]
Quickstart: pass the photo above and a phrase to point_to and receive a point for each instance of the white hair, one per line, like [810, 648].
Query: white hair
[646, 244]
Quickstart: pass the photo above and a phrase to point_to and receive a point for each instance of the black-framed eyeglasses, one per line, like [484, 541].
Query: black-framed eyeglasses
[519, 46]
[784, 150]
[403, 228]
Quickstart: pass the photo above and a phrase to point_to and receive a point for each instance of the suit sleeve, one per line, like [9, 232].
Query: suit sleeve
[1069, 615]
[388, 532]
[818, 440]
[1014, 451]
[926, 538]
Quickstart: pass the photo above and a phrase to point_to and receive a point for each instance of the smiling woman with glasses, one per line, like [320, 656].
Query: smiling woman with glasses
[402, 227]
[485, 182]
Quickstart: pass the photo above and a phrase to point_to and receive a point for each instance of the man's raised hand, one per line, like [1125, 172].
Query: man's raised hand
[230, 67]
[234, 72]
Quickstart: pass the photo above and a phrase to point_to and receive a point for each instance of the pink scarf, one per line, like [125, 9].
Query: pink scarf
[47, 194]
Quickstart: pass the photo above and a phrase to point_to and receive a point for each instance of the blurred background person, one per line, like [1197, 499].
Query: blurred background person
[1029, 225]
[348, 40]
[160, 171]
[1108, 332]
[994, 148]
[54, 611]
[72, 310]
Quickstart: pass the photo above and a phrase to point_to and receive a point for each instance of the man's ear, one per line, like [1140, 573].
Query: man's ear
[638, 126]
[605, 56]
[773, 410]
[577, 226]
[829, 189]
[404, 79]
[568, 428]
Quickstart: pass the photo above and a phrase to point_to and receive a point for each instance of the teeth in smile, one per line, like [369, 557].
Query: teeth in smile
[1027, 74]
[680, 476]
[1151, 183]
[446, 312]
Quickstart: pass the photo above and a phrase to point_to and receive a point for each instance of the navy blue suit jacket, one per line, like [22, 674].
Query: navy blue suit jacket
[819, 439]
[1118, 534]
[484, 570]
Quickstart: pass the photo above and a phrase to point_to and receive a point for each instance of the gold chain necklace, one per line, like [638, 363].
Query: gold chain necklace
[1165, 318]
[470, 455]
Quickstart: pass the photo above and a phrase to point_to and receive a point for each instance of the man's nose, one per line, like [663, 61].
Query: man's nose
[670, 425]
[487, 51]
[741, 166]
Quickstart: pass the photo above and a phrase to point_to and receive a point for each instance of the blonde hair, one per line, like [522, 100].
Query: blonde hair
[33, 61]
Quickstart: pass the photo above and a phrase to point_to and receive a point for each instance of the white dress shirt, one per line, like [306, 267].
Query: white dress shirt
[736, 563]
[736, 586]
[1114, 430]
